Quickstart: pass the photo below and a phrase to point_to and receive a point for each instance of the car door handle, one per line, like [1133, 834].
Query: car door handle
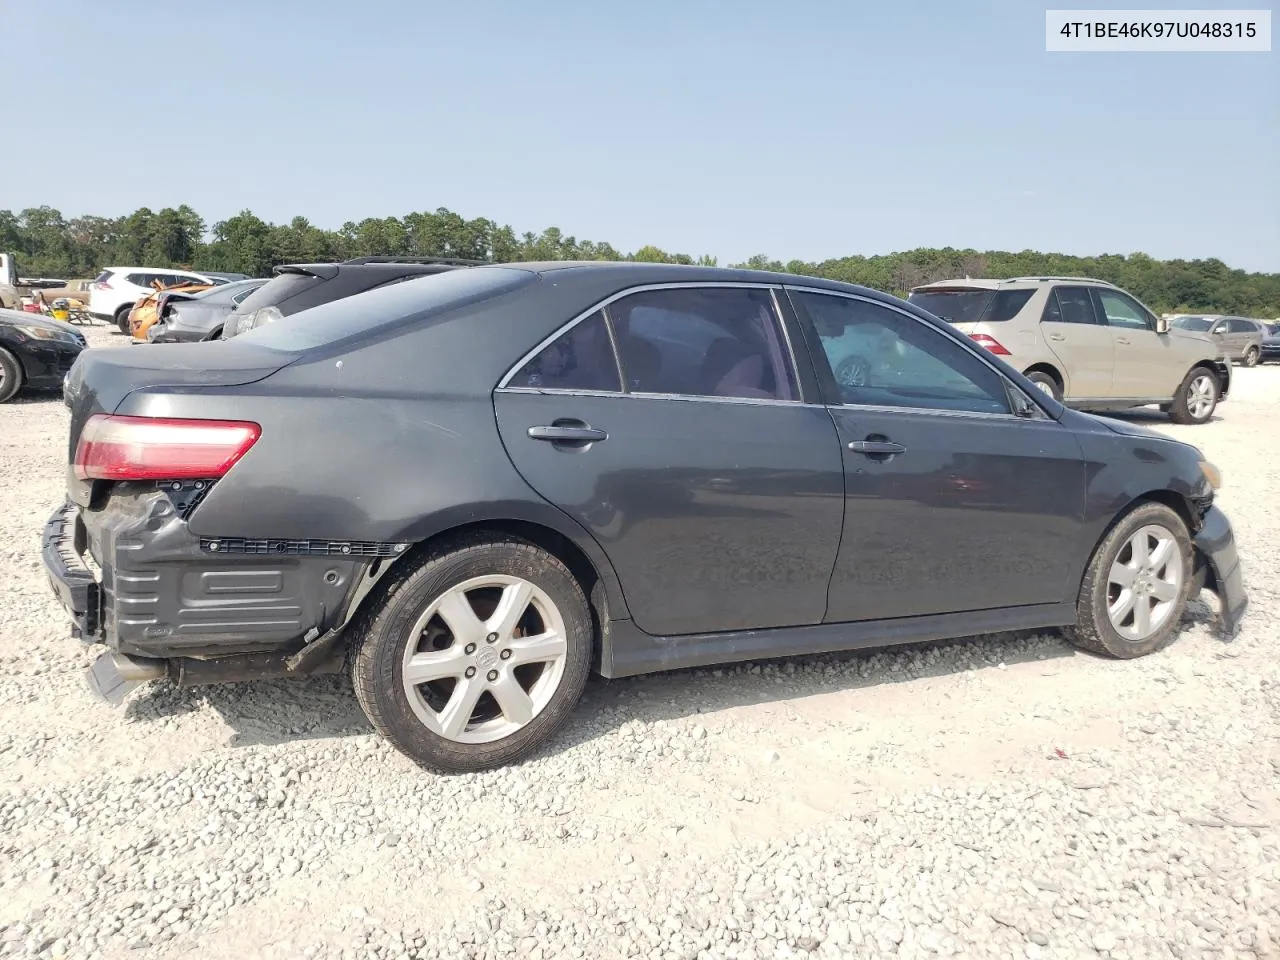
[873, 447]
[1056, 336]
[569, 432]
[1124, 340]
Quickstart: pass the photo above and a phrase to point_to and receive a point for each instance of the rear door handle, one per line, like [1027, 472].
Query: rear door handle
[1056, 336]
[575, 432]
[1122, 340]
[871, 447]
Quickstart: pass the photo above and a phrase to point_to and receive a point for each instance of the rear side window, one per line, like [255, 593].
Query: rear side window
[356, 317]
[710, 342]
[140, 279]
[579, 359]
[1006, 305]
[954, 306]
[277, 290]
[1068, 305]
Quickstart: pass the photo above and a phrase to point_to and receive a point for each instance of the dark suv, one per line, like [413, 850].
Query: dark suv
[300, 286]
[472, 489]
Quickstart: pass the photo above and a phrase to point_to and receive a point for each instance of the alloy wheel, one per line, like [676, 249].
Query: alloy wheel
[484, 659]
[1201, 396]
[1145, 582]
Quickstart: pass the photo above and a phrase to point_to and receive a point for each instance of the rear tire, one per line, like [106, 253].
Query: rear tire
[1251, 357]
[10, 376]
[495, 685]
[122, 319]
[1197, 397]
[1109, 620]
[1045, 383]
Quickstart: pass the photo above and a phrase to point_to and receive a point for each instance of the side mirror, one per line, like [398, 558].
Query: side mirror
[1162, 324]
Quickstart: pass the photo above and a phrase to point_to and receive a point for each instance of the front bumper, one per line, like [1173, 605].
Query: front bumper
[1218, 568]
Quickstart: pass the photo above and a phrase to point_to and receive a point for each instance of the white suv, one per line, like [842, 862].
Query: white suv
[117, 289]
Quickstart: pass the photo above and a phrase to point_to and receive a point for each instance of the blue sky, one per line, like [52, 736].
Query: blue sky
[805, 129]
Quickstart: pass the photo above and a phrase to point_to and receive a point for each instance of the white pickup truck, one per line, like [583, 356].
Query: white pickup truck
[13, 288]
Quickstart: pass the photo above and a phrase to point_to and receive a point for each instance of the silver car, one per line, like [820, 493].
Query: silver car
[1087, 342]
[1239, 337]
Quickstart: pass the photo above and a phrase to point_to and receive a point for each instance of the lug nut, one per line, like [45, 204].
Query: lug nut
[493, 675]
[470, 648]
[492, 638]
[506, 654]
[471, 672]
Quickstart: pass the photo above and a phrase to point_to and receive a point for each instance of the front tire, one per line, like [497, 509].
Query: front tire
[1136, 587]
[10, 376]
[1251, 357]
[475, 656]
[1197, 397]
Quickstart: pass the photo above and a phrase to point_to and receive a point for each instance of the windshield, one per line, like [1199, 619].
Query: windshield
[1195, 324]
[972, 306]
[382, 307]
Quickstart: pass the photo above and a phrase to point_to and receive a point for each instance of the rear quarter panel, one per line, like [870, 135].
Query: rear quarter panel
[391, 440]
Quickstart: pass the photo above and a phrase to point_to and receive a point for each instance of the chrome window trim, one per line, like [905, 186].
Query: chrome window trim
[958, 338]
[681, 397]
[645, 288]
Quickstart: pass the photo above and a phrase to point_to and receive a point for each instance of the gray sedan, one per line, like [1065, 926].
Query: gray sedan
[199, 316]
[474, 489]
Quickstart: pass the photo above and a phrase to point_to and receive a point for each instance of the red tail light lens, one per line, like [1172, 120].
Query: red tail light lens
[988, 342]
[102, 285]
[150, 448]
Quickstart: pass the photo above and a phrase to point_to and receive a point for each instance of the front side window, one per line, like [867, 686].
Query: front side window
[581, 358]
[1122, 311]
[703, 342]
[881, 357]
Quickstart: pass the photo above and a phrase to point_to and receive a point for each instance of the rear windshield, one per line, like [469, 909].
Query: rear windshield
[1194, 324]
[277, 290]
[364, 313]
[972, 306]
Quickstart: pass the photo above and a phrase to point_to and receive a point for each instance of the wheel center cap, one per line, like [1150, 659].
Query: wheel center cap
[487, 657]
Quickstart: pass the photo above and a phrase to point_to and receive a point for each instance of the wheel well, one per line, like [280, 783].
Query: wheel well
[554, 543]
[1049, 370]
[1213, 367]
[1174, 501]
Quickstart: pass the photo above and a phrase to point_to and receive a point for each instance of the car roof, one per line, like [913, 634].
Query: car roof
[1007, 283]
[194, 273]
[629, 272]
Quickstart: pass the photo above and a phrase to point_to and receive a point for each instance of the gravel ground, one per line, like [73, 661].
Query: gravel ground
[1000, 797]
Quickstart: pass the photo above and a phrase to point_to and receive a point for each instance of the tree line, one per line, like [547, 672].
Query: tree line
[49, 245]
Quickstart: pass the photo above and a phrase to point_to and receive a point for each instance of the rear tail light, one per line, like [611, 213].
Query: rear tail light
[152, 448]
[102, 285]
[988, 342]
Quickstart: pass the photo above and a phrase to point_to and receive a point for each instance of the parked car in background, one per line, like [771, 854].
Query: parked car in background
[117, 289]
[300, 286]
[475, 488]
[184, 317]
[219, 277]
[35, 352]
[1086, 342]
[1270, 345]
[78, 290]
[147, 309]
[1239, 338]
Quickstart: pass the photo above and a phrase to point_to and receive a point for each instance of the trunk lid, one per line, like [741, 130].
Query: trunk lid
[101, 378]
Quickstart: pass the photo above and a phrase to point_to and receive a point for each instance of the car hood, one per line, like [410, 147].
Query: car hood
[14, 318]
[1190, 335]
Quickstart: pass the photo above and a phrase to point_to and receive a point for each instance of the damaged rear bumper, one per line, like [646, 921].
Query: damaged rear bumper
[1217, 567]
